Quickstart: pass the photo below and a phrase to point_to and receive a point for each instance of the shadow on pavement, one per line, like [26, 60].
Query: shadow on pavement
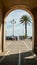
[13, 59]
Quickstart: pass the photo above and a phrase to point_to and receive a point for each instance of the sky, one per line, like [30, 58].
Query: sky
[19, 29]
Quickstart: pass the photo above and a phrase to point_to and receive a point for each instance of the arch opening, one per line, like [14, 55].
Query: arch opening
[16, 17]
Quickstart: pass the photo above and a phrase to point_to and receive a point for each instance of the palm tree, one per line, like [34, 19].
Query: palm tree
[25, 19]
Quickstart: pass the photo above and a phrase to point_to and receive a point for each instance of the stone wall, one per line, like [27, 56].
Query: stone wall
[34, 11]
[6, 8]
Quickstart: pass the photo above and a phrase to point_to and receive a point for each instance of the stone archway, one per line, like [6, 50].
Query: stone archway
[23, 7]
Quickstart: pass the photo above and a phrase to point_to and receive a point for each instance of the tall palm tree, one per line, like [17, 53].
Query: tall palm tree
[25, 19]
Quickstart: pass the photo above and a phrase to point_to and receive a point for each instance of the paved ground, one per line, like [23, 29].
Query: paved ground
[19, 53]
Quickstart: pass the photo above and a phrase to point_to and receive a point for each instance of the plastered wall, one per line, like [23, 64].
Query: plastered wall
[0, 24]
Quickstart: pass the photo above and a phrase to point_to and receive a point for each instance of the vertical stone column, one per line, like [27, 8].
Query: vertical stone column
[3, 35]
[35, 36]
[0, 40]
[34, 11]
[2, 10]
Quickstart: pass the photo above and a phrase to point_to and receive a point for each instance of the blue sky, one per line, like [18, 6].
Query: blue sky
[19, 29]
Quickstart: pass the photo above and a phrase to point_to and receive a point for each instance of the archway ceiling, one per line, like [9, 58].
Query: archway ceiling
[9, 3]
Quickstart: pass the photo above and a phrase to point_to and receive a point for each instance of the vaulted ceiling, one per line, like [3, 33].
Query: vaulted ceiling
[30, 3]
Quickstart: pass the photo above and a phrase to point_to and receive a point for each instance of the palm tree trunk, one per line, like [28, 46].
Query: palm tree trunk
[25, 29]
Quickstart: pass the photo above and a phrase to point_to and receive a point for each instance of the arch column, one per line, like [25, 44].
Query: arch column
[2, 27]
[3, 35]
[34, 11]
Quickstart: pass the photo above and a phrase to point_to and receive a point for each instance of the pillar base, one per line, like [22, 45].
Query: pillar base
[3, 55]
[35, 50]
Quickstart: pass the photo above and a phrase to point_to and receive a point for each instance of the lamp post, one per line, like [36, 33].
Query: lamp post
[13, 22]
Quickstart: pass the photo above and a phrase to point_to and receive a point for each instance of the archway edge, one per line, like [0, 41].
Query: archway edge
[22, 7]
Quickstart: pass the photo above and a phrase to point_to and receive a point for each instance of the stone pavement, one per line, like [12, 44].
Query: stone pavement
[20, 53]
